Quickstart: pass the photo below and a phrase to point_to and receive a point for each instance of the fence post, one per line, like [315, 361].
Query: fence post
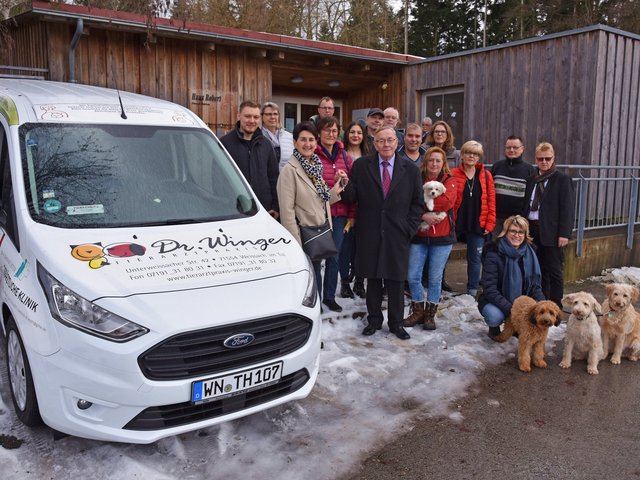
[633, 211]
[582, 213]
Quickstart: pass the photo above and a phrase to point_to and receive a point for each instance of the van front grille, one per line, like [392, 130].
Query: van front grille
[202, 352]
[167, 416]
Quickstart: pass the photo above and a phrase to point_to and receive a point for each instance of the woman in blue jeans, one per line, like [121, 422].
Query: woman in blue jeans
[434, 241]
[510, 268]
[475, 209]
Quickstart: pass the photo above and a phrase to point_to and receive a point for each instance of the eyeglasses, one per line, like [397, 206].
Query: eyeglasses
[511, 147]
[330, 131]
[544, 159]
[439, 132]
[517, 233]
[471, 154]
[386, 141]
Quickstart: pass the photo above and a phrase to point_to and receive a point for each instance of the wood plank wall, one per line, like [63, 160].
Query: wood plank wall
[579, 92]
[376, 96]
[169, 68]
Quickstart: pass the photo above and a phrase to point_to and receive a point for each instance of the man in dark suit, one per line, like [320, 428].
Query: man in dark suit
[388, 190]
[550, 209]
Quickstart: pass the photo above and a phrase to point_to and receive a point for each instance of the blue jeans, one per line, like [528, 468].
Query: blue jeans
[493, 316]
[475, 243]
[345, 255]
[331, 264]
[438, 256]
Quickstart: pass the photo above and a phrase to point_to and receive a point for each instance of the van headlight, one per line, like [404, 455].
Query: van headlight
[311, 291]
[75, 311]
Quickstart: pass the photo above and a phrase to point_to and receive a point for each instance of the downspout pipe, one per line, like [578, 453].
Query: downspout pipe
[72, 49]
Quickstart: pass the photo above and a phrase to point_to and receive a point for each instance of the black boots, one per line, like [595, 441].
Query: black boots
[345, 289]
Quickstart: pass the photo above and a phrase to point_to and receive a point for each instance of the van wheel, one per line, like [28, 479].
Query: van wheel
[23, 392]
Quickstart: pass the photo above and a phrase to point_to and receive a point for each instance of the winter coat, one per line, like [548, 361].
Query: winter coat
[385, 226]
[339, 159]
[444, 232]
[299, 200]
[257, 162]
[493, 264]
[487, 218]
[557, 208]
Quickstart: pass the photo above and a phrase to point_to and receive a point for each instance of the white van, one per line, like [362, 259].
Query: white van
[144, 291]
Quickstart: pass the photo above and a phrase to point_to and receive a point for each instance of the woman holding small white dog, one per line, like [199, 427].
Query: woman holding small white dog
[510, 268]
[434, 241]
[475, 209]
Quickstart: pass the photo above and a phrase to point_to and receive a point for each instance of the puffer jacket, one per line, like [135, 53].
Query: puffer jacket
[339, 159]
[444, 232]
[487, 200]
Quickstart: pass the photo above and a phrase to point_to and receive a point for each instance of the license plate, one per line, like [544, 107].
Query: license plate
[235, 384]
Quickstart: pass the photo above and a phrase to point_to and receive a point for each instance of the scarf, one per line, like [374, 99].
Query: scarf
[513, 285]
[313, 169]
[539, 188]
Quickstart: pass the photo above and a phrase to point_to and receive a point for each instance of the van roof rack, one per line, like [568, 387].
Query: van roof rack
[23, 72]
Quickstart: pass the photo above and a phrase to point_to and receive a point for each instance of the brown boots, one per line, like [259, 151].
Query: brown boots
[430, 310]
[416, 316]
[422, 313]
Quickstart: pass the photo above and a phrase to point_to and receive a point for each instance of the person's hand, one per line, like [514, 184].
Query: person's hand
[431, 218]
[563, 241]
[274, 214]
[341, 179]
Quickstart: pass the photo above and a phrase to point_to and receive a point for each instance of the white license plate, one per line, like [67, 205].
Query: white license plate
[235, 384]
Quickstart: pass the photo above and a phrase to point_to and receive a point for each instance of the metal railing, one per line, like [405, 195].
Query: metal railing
[606, 197]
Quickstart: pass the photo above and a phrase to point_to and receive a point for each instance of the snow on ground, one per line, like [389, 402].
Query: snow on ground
[369, 390]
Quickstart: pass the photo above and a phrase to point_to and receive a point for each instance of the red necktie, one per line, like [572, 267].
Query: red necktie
[386, 178]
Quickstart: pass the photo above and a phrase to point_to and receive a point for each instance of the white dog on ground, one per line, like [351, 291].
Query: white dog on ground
[432, 190]
[584, 337]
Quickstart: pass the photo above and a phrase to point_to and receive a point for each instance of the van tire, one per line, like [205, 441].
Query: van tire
[23, 392]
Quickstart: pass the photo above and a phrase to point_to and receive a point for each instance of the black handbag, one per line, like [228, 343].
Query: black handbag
[317, 241]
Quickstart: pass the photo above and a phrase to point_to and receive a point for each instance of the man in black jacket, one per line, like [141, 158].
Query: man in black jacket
[388, 190]
[254, 155]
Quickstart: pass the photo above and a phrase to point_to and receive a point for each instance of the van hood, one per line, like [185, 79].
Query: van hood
[100, 263]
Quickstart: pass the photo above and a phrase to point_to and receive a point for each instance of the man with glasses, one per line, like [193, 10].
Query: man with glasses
[326, 108]
[510, 178]
[392, 119]
[388, 190]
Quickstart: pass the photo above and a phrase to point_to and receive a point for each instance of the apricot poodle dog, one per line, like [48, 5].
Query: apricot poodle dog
[530, 320]
[583, 338]
[621, 323]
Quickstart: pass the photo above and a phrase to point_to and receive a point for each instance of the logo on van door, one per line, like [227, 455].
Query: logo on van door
[96, 254]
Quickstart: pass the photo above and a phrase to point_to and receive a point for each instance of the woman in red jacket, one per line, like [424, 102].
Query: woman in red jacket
[434, 241]
[475, 209]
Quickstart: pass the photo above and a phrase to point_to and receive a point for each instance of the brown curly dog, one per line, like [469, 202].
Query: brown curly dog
[621, 323]
[530, 320]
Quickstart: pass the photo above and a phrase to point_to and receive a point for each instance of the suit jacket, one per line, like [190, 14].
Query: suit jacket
[557, 208]
[384, 226]
[300, 203]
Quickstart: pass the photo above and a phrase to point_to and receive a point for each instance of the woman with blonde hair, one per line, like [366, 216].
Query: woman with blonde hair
[510, 268]
[433, 242]
[475, 208]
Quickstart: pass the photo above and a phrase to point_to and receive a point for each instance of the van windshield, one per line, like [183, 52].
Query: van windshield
[91, 176]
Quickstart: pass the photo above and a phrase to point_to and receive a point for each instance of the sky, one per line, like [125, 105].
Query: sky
[369, 390]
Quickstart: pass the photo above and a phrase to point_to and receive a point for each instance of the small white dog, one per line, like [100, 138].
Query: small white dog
[583, 338]
[432, 190]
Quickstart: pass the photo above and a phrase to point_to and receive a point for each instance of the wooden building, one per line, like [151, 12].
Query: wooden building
[579, 90]
[210, 69]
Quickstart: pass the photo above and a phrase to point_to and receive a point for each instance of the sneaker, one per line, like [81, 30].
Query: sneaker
[332, 305]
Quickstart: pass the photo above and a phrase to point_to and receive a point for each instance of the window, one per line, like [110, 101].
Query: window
[7, 205]
[447, 105]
